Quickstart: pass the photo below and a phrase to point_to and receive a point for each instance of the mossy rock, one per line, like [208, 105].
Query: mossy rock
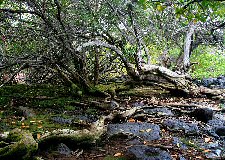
[23, 146]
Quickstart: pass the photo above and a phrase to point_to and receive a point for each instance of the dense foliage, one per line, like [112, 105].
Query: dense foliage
[79, 43]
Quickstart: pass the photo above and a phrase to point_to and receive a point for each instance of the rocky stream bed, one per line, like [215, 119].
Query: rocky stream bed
[153, 127]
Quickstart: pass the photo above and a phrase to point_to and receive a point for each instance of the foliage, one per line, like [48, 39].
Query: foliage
[209, 63]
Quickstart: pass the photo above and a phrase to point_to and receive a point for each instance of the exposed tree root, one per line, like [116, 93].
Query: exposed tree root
[22, 146]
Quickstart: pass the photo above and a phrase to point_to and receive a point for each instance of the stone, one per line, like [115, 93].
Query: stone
[188, 128]
[158, 111]
[220, 131]
[27, 112]
[216, 123]
[202, 114]
[214, 154]
[143, 152]
[61, 120]
[114, 105]
[146, 131]
[137, 104]
[63, 149]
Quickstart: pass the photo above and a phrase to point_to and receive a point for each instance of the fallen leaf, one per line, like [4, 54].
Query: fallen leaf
[131, 120]
[142, 130]
[39, 121]
[207, 140]
[38, 135]
[206, 151]
[199, 157]
[39, 127]
[144, 142]
[27, 126]
[191, 142]
[178, 145]
[148, 130]
[118, 154]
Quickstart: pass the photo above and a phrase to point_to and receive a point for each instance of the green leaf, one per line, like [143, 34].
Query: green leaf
[1, 1]
[143, 3]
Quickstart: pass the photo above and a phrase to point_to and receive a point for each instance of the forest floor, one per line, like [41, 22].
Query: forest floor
[46, 108]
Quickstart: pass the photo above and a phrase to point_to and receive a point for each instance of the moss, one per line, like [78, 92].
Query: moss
[23, 148]
[4, 101]
[143, 91]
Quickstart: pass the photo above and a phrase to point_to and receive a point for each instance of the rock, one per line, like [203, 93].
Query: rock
[146, 131]
[219, 116]
[144, 112]
[181, 157]
[27, 112]
[61, 120]
[188, 128]
[207, 82]
[143, 152]
[216, 123]
[217, 83]
[214, 154]
[137, 104]
[220, 131]
[63, 149]
[158, 111]
[213, 126]
[202, 114]
[114, 105]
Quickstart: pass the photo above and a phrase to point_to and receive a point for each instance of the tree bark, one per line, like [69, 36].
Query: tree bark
[187, 46]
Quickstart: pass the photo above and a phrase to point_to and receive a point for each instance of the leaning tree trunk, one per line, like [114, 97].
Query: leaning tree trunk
[187, 47]
[151, 74]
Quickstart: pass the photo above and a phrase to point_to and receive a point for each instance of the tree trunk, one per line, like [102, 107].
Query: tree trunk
[96, 68]
[187, 46]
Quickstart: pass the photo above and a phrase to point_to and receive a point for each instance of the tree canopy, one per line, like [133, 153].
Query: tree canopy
[82, 42]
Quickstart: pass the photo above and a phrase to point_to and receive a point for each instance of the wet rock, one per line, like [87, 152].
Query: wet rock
[176, 125]
[181, 157]
[202, 114]
[220, 131]
[158, 111]
[143, 152]
[137, 104]
[219, 116]
[213, 126]
[214, 154]
[218, 82]
[146, 131]
[216, 123]
[207, 82]
[85, 118]
[61, 120]
[63, 149]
